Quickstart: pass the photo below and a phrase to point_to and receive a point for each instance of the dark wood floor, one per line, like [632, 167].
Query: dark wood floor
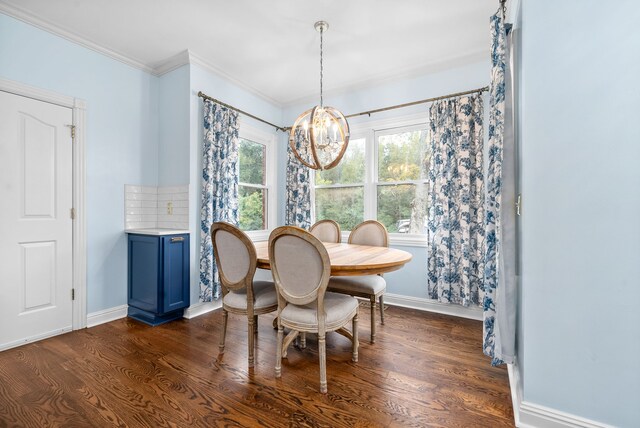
[424, 370]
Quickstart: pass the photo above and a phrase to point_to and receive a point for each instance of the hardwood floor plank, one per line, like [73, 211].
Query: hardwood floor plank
[425, 370]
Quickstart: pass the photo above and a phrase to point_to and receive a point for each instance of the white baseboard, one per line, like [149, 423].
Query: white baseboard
[532, 415]
[430, 305]
[106, 315]
[201, 308]
[41, 336]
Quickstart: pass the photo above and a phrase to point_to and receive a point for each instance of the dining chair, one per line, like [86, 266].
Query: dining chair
[301, 269]
[326, 231]
[236, 260]
[372, 233]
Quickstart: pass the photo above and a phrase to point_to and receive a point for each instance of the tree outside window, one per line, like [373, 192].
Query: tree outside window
[252, 187]
[396, 194]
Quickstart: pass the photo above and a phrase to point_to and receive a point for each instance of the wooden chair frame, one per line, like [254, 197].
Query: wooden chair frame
[372, 297]
[317, 294]
[246, 282]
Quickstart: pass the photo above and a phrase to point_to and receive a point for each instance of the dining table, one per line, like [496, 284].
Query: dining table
[350, 259]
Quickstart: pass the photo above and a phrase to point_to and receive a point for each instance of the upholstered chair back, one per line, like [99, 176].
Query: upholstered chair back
[326, 231]
[300, 265]
[235, 255]
[370, 232]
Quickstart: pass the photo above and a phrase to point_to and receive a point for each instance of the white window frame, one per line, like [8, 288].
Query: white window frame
[368, 131]
[256, 135]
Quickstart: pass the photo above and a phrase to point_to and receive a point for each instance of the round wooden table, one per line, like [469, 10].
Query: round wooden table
[349, 259]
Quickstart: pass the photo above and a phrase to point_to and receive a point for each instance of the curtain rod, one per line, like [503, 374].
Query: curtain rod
[413, 103]
[368, 113]
[207, 97]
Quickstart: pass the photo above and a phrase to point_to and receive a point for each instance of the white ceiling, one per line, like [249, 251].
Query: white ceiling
[270, 46]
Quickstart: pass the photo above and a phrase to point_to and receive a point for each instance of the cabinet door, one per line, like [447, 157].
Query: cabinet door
[176, 272]
[144, 268]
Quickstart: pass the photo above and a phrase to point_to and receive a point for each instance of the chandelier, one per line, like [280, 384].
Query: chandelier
[319, 136]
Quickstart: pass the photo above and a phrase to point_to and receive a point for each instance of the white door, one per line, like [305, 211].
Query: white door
[35, 220]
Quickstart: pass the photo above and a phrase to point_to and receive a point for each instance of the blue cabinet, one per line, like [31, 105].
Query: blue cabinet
[158, 277]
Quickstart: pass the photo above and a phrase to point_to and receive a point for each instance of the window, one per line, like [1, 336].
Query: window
[401, 186]
[340, 190]
[254, 190]
[383, 175]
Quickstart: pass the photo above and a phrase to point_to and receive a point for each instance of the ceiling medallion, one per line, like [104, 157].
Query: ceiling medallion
[319, 136]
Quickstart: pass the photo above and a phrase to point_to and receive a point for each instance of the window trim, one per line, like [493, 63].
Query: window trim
[251, 133]
[368, 129]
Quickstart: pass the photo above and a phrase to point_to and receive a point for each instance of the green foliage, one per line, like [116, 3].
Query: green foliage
[252, 158]
[403, 156]
[344, 205]
[252, 208]
[350, 170]
[394, 204]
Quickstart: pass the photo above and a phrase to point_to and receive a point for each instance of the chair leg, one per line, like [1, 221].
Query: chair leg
[322, 351]
[251, 339]
[225, 316]
[382, 309]
[279, 351]
[373, 319]
[303, 340]
[354, 332]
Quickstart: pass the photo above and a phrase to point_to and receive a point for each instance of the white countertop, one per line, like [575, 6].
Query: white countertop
[157, 232]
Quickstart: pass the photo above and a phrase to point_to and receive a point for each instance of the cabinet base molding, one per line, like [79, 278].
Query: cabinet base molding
[151, 318]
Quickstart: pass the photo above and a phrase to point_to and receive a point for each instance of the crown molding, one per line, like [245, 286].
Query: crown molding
[404, 73]
[188, 57]
[43, 24]
[202, 63]
[172, 63]
[165, 66]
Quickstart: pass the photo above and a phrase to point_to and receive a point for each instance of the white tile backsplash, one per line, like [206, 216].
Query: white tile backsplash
[146, 207]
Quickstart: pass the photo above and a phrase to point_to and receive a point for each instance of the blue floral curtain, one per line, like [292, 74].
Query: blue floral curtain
[220, 175]
[499, 287]
[455, 232]
[298, 209]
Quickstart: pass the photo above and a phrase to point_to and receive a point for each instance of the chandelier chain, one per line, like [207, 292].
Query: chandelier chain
[321, 67]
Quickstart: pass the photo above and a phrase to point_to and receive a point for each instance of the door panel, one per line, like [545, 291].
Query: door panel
[37, 166]
[35, 224]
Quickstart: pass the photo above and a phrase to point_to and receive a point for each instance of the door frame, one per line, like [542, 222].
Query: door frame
[79, 250]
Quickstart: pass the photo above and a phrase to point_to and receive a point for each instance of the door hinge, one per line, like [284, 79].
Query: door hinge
[73, 294]
[519, 204]
[73, 131]
[73, 213]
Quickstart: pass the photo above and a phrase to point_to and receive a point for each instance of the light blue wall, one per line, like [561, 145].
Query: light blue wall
[121, 138]
[581, 198]
[219, 88]
[411, 280]
[174, 123]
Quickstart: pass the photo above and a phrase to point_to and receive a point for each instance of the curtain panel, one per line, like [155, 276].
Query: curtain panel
[455, 228]
[298, 211]
[220, 177]
[500, 292]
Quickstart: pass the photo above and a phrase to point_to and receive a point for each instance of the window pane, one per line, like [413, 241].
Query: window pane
[345, 205]
[403, 208]
[253, 208]
[350, 170]
[403, 156]
[252, 157]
